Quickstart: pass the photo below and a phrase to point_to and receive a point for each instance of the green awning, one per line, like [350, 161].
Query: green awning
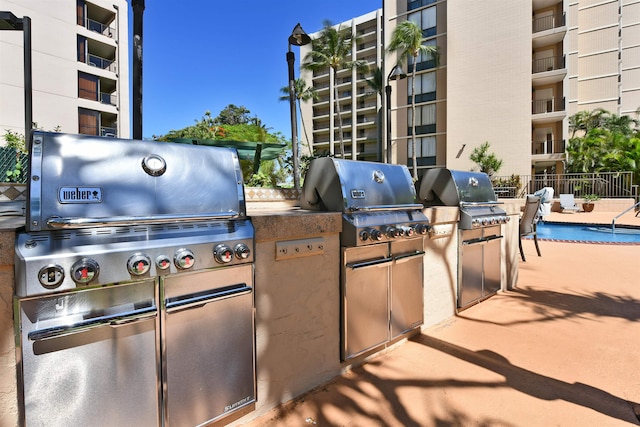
[256, 151]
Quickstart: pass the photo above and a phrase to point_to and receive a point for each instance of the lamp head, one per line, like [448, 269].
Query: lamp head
[397, 73]
[8, 21]
[298, 37]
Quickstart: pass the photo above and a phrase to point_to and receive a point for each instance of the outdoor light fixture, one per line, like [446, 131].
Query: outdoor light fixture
[395, 74]
[298, 38]
[8, 21]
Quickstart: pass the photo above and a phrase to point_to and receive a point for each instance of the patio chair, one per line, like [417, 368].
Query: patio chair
[568, 204]
[528, 222]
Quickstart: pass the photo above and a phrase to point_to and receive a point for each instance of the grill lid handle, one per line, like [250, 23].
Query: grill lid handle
[57, 222]
[375, 208]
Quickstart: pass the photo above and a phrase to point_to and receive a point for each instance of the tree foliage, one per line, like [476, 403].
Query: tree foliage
[406, 40]
[487, 162]
[603, 142]
[234, 124]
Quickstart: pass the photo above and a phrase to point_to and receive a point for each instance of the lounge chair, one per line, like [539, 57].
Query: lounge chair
[568, 204]
[528, 222]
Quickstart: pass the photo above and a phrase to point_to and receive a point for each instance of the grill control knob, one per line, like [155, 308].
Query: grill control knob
[392, 232]
[139, 264]
[485, 221]
[163, 262]
[364, 235]
[84, 271]
[408, 231]
[242, 251]
[223, 253]
[184, 259]
[375, 234]
[421, 228]
[51, 276]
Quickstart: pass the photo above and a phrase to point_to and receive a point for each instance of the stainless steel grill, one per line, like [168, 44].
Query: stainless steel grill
[382, 243]
[480, 233]
[134, 247]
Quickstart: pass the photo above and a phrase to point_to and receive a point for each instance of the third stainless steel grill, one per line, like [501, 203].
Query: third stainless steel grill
[382, 237]
[481, 217]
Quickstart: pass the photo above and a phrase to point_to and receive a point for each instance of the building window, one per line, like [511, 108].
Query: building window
[87, 86]
[88, 122]
[425, 119]
[81, 11]
[426, 20]
[425, 151]
[425, 86]
[416, 4]
[82, 49]
[423, 62]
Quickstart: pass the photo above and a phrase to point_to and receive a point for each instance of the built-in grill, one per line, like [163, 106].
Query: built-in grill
[383, 229]
[481, 217]
[134, 284]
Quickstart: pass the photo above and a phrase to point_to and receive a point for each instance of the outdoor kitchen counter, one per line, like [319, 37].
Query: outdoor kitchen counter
[297, 296]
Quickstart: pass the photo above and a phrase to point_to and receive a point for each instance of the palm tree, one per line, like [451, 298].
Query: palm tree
[332, 49]
[406, 40]
[303, 93]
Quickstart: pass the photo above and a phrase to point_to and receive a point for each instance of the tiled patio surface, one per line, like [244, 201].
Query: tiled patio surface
[563, 349]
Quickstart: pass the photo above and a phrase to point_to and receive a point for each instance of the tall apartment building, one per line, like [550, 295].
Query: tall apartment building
[79, 66]
[510, 73]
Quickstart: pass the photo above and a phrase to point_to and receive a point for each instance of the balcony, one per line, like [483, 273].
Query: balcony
[546, 147]
[547, 110]
[550, 63]
[548, 30]
[548, 22]
[96, 19]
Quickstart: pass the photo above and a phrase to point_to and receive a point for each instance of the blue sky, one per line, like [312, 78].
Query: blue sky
[201, 55]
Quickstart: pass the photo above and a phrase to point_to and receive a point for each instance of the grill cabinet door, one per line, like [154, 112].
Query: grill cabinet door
[407, 300]
[365, 298]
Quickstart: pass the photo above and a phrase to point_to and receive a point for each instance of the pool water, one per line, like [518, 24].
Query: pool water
[587, 233]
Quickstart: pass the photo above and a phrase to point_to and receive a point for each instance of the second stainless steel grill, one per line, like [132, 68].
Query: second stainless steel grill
[382, 237]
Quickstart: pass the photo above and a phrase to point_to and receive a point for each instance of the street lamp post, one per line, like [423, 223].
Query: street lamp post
[299, 38]
[395, 74]
[8, 21]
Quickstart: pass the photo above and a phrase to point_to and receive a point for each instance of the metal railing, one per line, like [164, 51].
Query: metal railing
[549, 105]
[99, 27]
[103, 63]
[608, 185]
[551, 146]
[549, 63]
[548, 22]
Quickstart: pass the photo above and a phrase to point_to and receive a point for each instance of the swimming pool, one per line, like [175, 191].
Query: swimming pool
[588, 233]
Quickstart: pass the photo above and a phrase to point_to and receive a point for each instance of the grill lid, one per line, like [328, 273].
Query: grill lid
[445, 187]
[79, 181]
[338, 185]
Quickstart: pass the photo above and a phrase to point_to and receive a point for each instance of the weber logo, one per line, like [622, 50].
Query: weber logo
[357, 194]
[80, 195]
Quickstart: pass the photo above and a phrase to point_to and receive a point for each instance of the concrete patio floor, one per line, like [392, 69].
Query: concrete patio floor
[562, 349]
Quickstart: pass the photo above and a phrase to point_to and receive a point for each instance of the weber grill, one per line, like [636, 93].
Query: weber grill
[382, 244]
[134, 279]
[481, 217]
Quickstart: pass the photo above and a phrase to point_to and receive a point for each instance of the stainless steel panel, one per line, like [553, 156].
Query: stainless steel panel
[75, 178]
[491, 261]
[440, 186]
[338, 185]
[365, 298]
[90, 358]
[208, 354]
[407, 294]
[471, 266]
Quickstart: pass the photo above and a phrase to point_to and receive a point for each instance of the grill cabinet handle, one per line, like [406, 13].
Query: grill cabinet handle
[371, 263]
[385, 208]
[407, 257]
[111, 320]
[79, 222]
[198, 300]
